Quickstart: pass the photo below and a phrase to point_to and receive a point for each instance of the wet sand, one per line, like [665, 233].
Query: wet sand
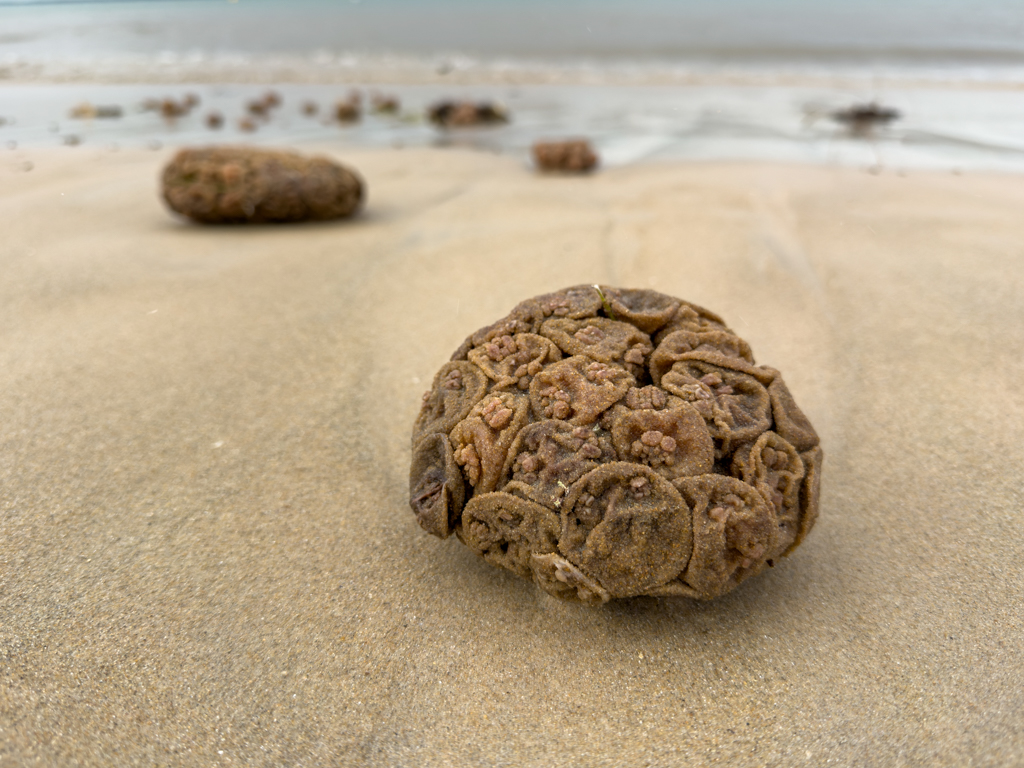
[206, 553]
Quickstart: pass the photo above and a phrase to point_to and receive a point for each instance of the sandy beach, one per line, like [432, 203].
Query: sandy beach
[206, 551]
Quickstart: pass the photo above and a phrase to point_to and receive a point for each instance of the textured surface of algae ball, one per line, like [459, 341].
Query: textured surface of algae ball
[239, 185]
[606, 443]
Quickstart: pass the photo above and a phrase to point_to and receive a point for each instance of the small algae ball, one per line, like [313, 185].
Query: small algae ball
[239, 185]
[607, 443]
[573, 156]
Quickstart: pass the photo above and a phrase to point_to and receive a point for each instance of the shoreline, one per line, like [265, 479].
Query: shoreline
[939, 129]
[460, 69]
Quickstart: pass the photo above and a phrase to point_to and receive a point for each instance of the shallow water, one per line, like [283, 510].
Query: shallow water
[943, 129]
[652, 79]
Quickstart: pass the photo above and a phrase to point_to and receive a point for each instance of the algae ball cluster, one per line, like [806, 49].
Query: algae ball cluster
[607, 443]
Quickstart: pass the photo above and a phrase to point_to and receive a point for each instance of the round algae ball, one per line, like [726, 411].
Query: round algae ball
[606, 442]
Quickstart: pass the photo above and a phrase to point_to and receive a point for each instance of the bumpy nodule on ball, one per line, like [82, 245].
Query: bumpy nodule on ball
[608, 442]
[238, 185]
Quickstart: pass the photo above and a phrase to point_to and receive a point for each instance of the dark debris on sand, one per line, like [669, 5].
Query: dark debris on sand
[171, 109]
[465, 114]
[87, 111]
[265, 105]
[861, 119]
[383, 103]
[350, 109]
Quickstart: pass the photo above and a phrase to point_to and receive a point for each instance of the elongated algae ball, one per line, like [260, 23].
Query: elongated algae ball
[239, 185]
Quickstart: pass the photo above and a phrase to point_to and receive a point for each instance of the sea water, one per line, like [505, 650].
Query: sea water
[645, 80]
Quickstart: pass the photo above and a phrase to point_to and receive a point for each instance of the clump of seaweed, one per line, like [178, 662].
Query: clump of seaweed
[466, 114]
[385, 103]
[87, 111]
[862, 119]
[237, 185]
[606, 443]
[349, 110]
[573, 156]
[263, 106]
[171, 109]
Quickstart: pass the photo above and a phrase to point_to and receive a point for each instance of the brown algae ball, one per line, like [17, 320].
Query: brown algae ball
[237, 185]
[573, 156]
[606, 443]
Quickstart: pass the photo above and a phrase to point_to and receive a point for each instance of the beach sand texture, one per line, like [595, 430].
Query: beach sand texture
[206, 550]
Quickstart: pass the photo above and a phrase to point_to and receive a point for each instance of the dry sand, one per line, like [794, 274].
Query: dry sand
[206, 553]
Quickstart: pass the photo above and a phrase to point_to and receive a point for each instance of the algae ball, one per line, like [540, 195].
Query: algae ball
[572, 156]
[245, 185]
[607, 443]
